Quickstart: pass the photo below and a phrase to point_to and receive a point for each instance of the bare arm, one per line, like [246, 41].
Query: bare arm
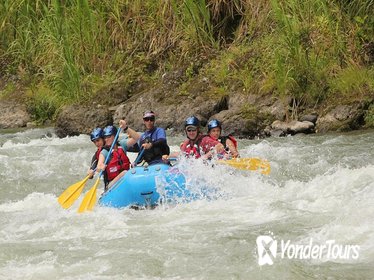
[218, 149]
[232, 148]
[100, 164]
[133, 135]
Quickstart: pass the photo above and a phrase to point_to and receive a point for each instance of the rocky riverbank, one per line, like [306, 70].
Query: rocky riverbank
[14, 115]
[242, 114]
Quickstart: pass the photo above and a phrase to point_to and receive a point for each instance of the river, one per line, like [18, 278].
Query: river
[320, 192]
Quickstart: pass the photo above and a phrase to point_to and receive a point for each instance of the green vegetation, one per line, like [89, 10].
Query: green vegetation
[369, 118]
[65, 51]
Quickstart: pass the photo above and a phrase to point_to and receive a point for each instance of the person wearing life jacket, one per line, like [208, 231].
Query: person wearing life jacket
[118, 162]
[153, 140]
[97, 138]
[223, 146]
[191, 146]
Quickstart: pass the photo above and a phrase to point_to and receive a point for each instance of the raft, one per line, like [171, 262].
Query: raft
[147, 187]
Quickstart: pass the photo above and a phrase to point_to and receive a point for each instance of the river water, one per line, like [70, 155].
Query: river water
[320, 191]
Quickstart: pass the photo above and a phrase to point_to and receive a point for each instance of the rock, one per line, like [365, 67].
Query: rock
[267, 131]
[243, 122]
[342, 112]
[278, 109]
[76, 119]
[293, 127]
[279, 125]
[116, 93]
[13, 115]
[310, 118]
[242, 114]
[168, 114]
[301, 127]
[47, 123]
[277, 133]
[342, 118]
[31, 125]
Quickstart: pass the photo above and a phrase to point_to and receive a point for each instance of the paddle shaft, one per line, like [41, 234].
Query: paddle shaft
[136, 161]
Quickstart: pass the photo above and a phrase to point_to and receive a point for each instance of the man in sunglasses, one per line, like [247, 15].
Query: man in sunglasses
[191, 146]
[153, 140]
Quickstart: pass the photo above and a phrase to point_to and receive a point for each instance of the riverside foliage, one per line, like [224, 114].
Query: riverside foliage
[64, 51]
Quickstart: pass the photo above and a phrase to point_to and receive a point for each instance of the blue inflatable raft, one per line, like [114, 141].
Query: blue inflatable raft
[147, 187]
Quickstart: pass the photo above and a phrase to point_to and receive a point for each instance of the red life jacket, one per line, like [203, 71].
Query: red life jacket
[118, 162]
[95, 158]
[97, 154]
[209, 142]
[192, 148]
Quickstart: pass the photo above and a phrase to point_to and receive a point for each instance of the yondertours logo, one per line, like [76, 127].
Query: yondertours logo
[267, 248]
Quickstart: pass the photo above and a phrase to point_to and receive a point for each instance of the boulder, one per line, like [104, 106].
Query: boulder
[280, 125]
[278, 109]
[292, 127]
[277, 133]
[13, 115]
[77, 119]
[309, 118]
[342, 118]
[301, 127]
[170, 114]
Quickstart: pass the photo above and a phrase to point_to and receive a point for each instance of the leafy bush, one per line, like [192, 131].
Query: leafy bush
[43, 104]
[369, 117]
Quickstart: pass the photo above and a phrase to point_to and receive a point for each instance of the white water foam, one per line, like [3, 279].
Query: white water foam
[320, 188]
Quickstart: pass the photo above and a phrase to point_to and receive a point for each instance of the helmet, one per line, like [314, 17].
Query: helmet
[214, 123]
[110, 130]
[97, 133]
[192, 121]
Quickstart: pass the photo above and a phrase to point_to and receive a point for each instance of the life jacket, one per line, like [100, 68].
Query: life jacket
[192, 148]
[95, 158]
[223, 139]
[97, 154]
[211, 142]
[117, 163]
[154, 153]
[208, 143]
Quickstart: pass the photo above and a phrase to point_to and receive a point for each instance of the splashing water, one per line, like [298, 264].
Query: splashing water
[320, 188]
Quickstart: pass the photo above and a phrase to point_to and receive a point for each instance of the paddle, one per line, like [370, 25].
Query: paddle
[89, 199]
[71, 194]
[248, 164]
[252, 164]
[136, 161]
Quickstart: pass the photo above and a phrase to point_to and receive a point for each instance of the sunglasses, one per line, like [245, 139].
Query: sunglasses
[149, 119]
[96, 140]
[191, 129]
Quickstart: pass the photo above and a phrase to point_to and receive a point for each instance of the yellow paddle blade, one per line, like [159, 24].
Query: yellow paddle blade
[249, 164]
[89, 199]
[71, 194]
